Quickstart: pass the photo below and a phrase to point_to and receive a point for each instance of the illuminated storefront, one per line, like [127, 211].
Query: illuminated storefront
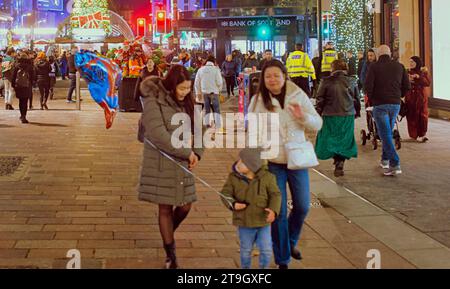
[420, 27]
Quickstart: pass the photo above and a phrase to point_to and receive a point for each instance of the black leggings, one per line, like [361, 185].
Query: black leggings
[231, 81]
[44, 90]
[23, 106]
[170, 219]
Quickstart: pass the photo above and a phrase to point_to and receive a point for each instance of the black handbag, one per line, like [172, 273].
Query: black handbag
[403, 110]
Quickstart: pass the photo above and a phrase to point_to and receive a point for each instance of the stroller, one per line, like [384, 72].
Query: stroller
[372, 134]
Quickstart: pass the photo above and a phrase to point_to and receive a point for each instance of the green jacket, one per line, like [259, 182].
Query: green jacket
[260, 193]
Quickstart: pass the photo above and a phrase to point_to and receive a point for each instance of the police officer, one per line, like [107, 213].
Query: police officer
[300, 68]
[329, 55]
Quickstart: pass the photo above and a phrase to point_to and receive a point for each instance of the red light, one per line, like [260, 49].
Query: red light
[141, 22]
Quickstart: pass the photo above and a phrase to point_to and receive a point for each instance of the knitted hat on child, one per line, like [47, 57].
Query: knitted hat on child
[251, 158]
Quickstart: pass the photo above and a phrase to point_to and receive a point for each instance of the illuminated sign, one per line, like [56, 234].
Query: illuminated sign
[256, 22]
[54, 5]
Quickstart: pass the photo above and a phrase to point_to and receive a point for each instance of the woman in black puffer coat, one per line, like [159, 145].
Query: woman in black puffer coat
[43, 69]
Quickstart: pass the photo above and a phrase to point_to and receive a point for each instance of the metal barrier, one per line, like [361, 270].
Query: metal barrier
[78, 90]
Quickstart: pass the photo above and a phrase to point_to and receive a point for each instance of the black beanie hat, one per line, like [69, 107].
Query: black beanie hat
[251, 158]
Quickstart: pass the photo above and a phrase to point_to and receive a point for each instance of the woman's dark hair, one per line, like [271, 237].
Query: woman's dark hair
[264, 92]
[177, 75]
[419, 63]
[339, 65]
[211, 58]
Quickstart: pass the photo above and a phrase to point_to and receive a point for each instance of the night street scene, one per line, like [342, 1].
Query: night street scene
[224, 135]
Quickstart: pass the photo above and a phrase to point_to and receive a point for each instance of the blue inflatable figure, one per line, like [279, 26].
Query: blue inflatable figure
[103, 77]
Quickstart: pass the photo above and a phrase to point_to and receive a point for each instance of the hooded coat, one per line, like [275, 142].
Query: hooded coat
[161, 180]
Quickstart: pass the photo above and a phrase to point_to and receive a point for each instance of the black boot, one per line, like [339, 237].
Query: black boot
[171, 259]
[339, 169]
[296, 253]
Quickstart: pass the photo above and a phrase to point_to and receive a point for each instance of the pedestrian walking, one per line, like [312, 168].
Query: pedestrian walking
[417, 100]
[370, 58]
[252, 194]
[229, 72]
[22, 82]
[329, 55]
[300, 68]
[8, 64]
[53, 73]
[149, 70]
[268, 55]
[162, 182]
[296, 113]
[387, 82]
[43, 69]
[251, 61]
[338, 103]
[64, 63]
[72, 74]
[351, 60]
[208, 85]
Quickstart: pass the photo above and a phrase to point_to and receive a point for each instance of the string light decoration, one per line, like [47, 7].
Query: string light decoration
[351, 25]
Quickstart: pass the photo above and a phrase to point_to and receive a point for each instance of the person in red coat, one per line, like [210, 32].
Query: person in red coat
[417, 100]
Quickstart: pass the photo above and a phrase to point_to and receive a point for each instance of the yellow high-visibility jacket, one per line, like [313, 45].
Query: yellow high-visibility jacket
[329, 56]
[299, 64]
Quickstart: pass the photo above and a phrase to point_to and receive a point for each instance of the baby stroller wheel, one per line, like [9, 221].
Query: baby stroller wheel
[375, 143]
[363, 137]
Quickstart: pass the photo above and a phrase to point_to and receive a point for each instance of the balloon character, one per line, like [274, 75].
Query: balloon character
[103, 77]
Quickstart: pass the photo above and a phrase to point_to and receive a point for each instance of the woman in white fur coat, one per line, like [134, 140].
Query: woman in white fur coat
[277, 94]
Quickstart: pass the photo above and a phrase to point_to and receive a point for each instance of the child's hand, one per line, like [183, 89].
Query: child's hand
[239, 206]
[270, 216]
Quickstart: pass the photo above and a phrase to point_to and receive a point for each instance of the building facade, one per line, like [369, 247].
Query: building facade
[251, 25]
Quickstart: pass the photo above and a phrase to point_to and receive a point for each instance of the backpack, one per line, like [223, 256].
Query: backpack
[23, 78]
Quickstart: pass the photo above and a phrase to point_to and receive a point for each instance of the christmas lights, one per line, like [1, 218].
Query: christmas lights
[351, 25]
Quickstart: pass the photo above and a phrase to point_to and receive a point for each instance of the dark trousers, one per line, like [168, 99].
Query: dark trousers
[23, 106]
[73, 85]
[30, 98]
[303, 83]
[52, 86]
[230, 81]
[44, 90]
[24, 95]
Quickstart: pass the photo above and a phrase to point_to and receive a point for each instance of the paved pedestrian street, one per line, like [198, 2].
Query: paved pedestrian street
[75, 188]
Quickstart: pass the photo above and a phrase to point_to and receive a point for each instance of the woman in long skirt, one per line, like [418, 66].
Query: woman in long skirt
[338, 103]
[417, 100]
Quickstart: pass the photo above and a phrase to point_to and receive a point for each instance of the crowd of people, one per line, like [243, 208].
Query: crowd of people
[24, 70]
[256, 189]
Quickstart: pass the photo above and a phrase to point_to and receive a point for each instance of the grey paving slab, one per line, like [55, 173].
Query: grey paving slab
[428, 258]
[396, 234]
